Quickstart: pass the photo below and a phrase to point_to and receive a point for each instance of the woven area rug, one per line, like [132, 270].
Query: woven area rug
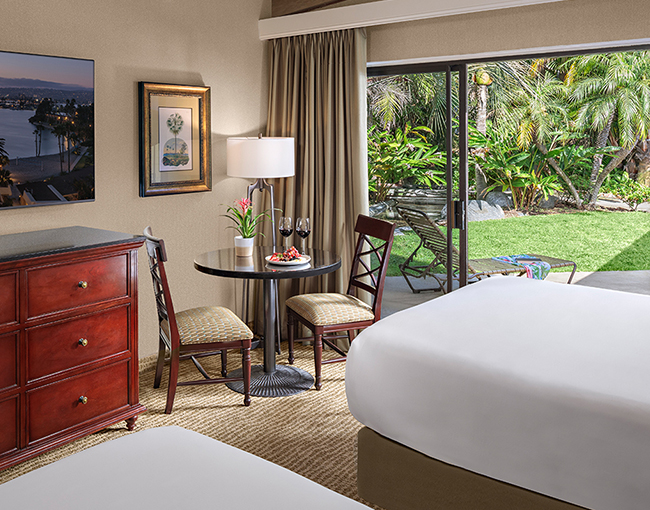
[311, 433]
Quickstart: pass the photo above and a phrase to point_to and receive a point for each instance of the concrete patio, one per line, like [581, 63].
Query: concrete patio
[398, 296]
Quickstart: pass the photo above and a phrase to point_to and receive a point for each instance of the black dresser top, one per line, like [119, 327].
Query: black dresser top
[58, 240]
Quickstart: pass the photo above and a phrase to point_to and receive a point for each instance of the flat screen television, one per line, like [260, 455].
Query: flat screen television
[47, 130]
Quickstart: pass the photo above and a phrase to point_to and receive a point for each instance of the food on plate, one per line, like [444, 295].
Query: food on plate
[290, 254]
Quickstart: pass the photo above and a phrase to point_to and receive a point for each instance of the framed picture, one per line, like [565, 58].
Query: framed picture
[174, 139]
[47, 130]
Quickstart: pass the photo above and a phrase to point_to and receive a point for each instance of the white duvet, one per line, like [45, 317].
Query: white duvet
[542, 385]
[167, 468]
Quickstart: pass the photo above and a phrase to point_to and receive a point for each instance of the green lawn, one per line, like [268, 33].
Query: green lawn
[596, 241]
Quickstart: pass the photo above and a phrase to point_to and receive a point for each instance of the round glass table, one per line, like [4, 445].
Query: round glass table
[268, 380]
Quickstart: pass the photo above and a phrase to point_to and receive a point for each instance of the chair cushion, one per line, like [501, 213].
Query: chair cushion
[211, 324]
[328, 309]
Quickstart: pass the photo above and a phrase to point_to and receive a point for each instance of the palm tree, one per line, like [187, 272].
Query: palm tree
[4, 160]
[71, 138]
[537, 113]
[611, 93]
[482, 80]
[59, 131]
[415, 99]
[420, 99]
[492, 88]
[175, 124]
[5, 176]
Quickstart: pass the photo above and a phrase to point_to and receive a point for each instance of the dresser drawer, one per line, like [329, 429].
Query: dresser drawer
[59, 406]
[8, 361]
[8, 298]
[65, 286]
[67, 344]
[9, 424]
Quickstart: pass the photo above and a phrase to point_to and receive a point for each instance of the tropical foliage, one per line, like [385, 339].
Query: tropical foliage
[405, 154]
[545, 124]
[525, 173]
[242, 215]
[628, 190]
[4, 156]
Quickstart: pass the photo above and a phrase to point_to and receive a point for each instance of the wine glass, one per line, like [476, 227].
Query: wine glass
[285, 226]
[303, 229]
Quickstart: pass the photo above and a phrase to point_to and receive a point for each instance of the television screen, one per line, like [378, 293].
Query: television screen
[47, 142]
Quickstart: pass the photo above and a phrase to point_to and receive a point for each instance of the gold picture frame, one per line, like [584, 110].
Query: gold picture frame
[175, 154]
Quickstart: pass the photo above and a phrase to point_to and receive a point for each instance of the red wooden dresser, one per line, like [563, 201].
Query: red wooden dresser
[68, 337]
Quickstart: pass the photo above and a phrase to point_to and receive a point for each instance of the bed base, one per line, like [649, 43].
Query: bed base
[396, 477]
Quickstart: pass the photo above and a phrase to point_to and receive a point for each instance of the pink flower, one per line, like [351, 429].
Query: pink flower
[244, 204]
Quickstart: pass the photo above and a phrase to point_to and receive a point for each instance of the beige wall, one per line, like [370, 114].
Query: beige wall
[194, 42]
[563, 23]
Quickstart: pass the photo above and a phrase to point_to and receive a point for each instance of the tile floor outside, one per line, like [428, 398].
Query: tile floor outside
[398, 296]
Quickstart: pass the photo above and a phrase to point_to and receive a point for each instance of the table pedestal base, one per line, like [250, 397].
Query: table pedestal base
[285, 381]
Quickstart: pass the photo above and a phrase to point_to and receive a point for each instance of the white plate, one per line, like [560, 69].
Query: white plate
[303, 259]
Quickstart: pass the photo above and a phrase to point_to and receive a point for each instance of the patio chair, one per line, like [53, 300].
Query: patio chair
[433, 239]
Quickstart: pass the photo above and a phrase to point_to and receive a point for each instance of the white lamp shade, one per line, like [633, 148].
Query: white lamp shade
[260, 157]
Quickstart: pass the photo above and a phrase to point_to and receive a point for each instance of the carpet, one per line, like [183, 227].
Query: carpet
[312, 433]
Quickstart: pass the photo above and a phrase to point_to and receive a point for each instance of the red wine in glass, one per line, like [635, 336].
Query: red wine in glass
[285, 227]
[303, 229]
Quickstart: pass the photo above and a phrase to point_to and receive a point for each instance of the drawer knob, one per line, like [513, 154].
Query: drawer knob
[82, 284]
[83, 342]
[83, 400]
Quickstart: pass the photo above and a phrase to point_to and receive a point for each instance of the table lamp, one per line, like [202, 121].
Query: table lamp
[261, 158]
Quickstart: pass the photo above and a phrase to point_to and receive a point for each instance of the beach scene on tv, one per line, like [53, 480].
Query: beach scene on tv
[46, 130]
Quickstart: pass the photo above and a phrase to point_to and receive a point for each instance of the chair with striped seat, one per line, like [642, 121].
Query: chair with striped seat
[327, 315]
[193, 333]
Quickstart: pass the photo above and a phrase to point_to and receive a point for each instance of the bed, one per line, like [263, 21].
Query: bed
[508, 393]
[166, 468]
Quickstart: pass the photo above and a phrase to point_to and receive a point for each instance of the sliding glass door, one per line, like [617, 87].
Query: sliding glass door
[418, 148]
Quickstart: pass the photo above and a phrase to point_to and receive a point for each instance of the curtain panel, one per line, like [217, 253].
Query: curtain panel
[317, 94]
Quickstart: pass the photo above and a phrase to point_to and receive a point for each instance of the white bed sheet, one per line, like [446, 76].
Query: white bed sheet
[542, 385]
[167, 468]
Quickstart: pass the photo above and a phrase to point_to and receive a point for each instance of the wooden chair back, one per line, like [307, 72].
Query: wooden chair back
[157, 257]
[375, 241]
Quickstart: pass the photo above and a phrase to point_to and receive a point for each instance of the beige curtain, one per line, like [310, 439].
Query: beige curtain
[317, 95]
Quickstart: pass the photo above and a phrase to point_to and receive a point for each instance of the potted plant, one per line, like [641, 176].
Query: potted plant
[245, 223]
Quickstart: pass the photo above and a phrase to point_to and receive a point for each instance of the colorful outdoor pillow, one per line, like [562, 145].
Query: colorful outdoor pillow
[535, 267]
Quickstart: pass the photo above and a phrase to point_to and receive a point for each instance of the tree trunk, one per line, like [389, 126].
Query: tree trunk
[601, 141]
[615, 162]
[60, 153]
[643, 165]
[481, 126]
[551, 161]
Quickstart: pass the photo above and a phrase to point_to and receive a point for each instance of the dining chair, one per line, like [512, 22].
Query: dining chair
[193, 333]
[327, 315]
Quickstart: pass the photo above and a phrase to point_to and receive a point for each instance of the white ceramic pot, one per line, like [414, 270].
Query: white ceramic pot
[244, 246]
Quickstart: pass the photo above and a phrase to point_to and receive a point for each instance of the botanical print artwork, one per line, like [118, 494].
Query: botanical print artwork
[47, 146]
[175, 138]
